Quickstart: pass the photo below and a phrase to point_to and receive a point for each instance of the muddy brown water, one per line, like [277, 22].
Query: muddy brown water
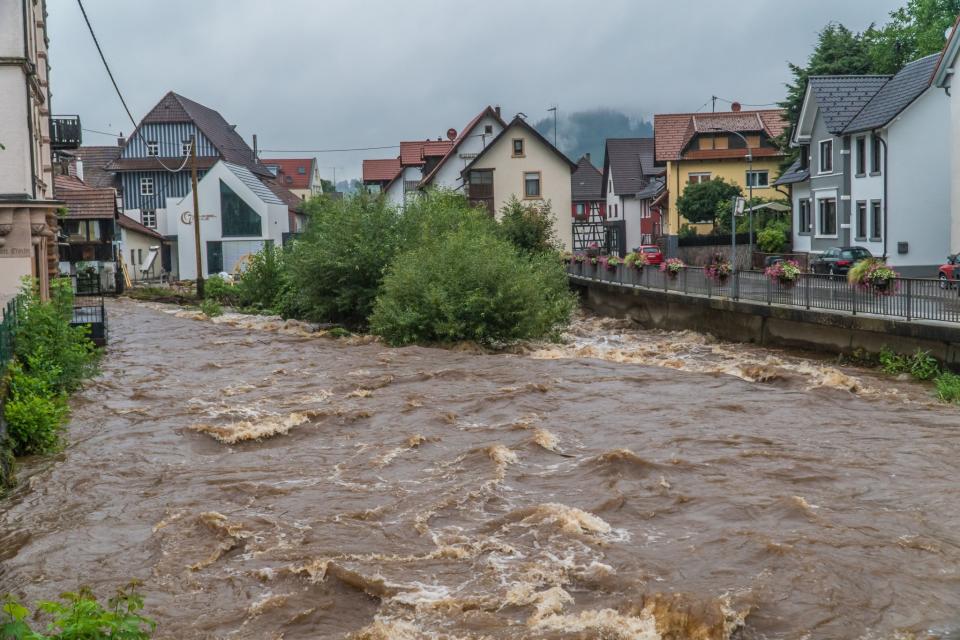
[625, 484]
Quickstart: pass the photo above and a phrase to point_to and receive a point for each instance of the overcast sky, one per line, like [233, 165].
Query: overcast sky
[316, 74]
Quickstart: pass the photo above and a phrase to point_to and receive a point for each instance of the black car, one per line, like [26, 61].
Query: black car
[838, 260]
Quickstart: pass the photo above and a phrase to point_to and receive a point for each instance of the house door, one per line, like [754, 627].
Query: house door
[480, 189]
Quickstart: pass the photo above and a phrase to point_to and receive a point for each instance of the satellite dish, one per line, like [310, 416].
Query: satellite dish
[451, 134]
[735, 106]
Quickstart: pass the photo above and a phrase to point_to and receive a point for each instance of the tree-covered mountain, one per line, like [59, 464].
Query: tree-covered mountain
[585, 131]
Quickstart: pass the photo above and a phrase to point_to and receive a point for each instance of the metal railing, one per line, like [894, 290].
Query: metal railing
[904, 298]
[65, 132]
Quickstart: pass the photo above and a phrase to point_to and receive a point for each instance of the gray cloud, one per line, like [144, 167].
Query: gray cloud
[310, 74]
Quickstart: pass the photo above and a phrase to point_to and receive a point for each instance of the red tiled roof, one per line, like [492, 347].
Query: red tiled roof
[380, 170]
[84, 202]
[437, 149]
[411, 153]
[464, 134]
[130, 224]
[292, 200]
[290, 168]
[674, 131]
[713, 154]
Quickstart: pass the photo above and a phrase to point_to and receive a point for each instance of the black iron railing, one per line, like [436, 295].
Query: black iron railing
[902, 298]
[65, 132]
[89, 308]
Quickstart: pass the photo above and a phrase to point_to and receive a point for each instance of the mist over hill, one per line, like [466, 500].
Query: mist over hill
[585, 131]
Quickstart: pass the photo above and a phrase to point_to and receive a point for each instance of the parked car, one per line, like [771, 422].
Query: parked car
[837, 260]
[949, 272]
[652, 251]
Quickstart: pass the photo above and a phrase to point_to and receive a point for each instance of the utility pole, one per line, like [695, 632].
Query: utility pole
[196, 215]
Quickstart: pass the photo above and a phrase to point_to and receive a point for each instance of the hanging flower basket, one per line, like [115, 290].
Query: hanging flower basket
[718, 271]
[873, 275]
[635, 260]
[672, 266]
[784, 273]
[610, 263]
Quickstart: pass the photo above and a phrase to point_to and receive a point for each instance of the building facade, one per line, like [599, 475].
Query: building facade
[28, 209]
[943, 80]
[630, 186]
[300, 175]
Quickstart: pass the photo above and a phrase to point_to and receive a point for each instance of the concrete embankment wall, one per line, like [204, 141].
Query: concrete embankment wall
[772, 325]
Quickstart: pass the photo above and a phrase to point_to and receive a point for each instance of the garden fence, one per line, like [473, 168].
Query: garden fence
[903, 298]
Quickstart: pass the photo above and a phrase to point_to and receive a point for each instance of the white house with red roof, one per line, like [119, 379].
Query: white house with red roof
[299, 175]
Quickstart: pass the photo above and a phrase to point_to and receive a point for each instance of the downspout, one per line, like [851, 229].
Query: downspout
[26, 79]
[885, 160]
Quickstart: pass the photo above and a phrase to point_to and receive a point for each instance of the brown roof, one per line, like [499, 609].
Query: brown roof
[437, 149]
[82, 201]
[292, 200]
[95, 161]
[289, 170]
[586, 183]
[130, 224]
[222, 135]
[630, 160]
[674, 131]
[464, 133]
[380, 170]
[714, 154]
[519, 121]
[411, 153]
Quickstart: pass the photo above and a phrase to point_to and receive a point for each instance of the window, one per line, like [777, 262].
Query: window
[146, 186]
[861, 220]
[148, 218]
[876, 220]
[861, 156]
[185, 148]
[302, 171]
[140, 256]
[875, 156]
[580, 211]
[697, 178]
[610, 189]
[753, 141]
[804, 156]
[153, 148]
[133, 255]
[237, 218]
[488, 129]
[827, 217]
[518, 147]
[758, 178]
[214, 256]
[826, 156]
[531, 184]
[804, 217]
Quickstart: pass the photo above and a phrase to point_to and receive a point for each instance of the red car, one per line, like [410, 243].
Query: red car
[949, 271]
[652, 251]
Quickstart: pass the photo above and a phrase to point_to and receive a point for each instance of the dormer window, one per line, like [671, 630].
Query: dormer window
[518, 147]
[153, 148]
[826, 156]
[488, 129]
[302, 171]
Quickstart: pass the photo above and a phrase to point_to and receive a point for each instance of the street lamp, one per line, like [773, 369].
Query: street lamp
[733, 219]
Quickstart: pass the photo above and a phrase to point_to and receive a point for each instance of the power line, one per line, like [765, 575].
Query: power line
[747, 104]
[104, 133]
[116, 87]
[391, 146]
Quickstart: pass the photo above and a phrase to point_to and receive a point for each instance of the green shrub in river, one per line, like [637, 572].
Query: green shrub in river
[79, 616]
[948, 387]
[211, 308]
[261, 283]
[893, 363]
[217, 289]
[923, 366]
[474, 286]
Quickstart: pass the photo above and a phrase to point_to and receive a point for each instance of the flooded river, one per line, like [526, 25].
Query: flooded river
[624, 484]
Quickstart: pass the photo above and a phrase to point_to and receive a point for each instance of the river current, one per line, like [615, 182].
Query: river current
[263, 482]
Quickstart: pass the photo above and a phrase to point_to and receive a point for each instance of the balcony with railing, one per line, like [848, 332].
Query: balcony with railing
[65, 132]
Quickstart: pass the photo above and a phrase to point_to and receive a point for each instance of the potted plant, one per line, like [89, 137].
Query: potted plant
[784, 273]
[873, 274]
[673, 266]
[611, 262]
[718, 269]
[635, 260]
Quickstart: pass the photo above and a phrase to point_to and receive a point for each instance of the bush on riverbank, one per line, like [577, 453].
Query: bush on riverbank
[51, 360]
[80, 616]
[469, 286]
[529, 227]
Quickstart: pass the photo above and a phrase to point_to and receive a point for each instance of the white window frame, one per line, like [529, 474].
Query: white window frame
[756, 173]
[146, 187]
[148, 218]
[153, 148]
[185, 148]
[820, 171]
[809, 207]
[539, 175]
[700, 175]
[818, 231]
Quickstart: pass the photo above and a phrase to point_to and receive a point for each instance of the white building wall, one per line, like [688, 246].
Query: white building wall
[448, 176]
[867, 188]
[632, 212]
[274, 222]
[801, 241]
[954, 169]
[919, 183]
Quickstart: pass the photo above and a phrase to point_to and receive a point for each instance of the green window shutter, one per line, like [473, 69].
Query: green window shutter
[238, 219]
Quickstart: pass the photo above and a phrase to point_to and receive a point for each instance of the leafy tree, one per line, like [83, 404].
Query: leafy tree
[701, 202]
[328, 186]
[528, 226]
[914, 31]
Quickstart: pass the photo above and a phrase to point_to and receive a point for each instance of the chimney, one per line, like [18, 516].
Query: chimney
[255, 146]
[121, 140]
[588, 157]
[79, 165]
[496, 110]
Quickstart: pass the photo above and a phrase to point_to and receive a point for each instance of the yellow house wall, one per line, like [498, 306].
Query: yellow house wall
[508, 178]
[733, 171]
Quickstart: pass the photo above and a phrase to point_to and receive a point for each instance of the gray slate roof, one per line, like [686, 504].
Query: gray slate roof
[793, 174]
[896, 95]
[840, 98]
[95, 161]
[586, 183]
[246, 177]
[654, 188]
[630, 161]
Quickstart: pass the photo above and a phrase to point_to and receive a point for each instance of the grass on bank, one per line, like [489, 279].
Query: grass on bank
[921, 366]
